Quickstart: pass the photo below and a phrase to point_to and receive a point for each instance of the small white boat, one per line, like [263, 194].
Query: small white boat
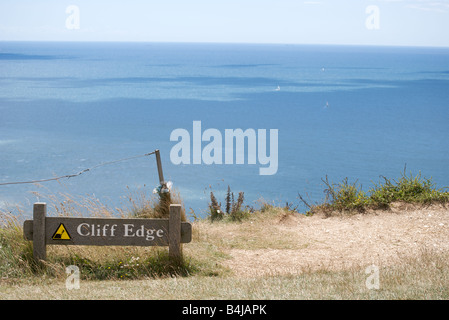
[277, 89]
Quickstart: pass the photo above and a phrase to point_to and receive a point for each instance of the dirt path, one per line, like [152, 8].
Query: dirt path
[314, 243]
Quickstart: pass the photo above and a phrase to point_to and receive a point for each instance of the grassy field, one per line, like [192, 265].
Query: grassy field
[413, 279]
[260, 258]
[397, 251]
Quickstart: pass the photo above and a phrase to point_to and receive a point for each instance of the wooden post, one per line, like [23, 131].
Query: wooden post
[174, 233]
[159, 168]
[39, 248]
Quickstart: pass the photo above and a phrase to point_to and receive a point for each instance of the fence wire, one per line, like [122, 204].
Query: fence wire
[68, 176]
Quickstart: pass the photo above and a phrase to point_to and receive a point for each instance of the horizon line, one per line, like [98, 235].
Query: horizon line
[237, 43]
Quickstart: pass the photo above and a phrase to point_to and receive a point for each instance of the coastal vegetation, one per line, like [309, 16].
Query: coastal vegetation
[235, 241]
[346, 197]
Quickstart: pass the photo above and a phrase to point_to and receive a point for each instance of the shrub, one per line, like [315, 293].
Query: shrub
[214, 208]
[234, 210]
[349, 197]
[344, 196]
[408, 189]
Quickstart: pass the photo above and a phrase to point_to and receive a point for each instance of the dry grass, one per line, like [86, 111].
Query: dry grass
[278, 254]
[288, 243]
[422, 277]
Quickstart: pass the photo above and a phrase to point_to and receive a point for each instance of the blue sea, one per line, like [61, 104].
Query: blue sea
[340, 111]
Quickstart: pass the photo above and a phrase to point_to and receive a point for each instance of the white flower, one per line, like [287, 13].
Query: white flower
[169, 184]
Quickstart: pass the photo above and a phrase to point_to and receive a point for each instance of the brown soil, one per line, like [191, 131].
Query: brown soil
[339, 242]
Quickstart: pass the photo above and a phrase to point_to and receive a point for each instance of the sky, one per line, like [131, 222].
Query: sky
[343, 22]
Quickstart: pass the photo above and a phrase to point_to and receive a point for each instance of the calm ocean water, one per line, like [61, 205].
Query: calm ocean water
[341, 111]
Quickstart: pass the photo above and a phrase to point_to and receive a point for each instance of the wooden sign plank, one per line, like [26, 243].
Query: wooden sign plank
[109, 231]
[44, 231]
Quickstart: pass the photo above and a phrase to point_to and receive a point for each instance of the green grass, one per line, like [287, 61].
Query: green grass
[128, 266]
[95, 263]
[16, 254]
[349, 197]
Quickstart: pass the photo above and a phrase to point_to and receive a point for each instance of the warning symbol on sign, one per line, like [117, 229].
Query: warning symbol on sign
[61, 233]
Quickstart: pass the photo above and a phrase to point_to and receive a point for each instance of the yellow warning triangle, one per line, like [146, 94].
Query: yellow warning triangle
[61, 233]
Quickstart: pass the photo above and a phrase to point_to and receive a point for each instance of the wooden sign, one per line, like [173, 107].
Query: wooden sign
[43, 231]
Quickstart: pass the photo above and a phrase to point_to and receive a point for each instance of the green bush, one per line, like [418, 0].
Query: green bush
[415, 189]
[349, 197]
[346, 196]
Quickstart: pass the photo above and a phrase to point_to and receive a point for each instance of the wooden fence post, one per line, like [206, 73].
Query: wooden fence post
[159, 168]
[39, 246]
[174, 233]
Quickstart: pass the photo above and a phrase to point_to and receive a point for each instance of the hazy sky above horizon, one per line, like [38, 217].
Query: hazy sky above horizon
[353, 22]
